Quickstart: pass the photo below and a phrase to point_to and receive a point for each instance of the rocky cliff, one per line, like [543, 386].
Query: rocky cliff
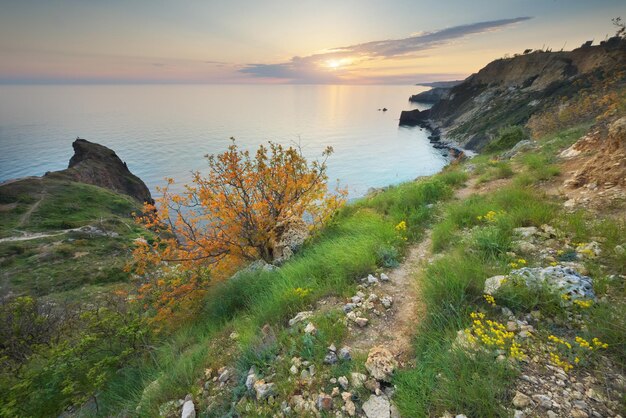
[100, 166]
[508, 91]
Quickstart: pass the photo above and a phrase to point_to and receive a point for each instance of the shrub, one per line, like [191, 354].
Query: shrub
[506, 138]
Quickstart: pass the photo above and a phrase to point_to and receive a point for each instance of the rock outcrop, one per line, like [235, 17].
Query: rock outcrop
[431, 96]
[289, 237]
[100, 166]
[508, 91]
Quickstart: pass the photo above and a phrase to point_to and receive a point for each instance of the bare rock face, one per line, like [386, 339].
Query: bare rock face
[98, 165]
[507, 91]
[289, 237]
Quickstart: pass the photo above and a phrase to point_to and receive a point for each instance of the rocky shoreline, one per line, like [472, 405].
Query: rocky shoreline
[420, 118]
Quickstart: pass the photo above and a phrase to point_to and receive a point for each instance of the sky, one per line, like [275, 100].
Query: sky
[283, 41]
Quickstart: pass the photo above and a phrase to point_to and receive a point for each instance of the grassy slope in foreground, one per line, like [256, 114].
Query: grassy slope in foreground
[447, 378]
[360, 239]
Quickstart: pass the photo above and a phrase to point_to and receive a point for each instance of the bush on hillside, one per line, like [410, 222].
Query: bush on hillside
[506, 138]
[238, 212]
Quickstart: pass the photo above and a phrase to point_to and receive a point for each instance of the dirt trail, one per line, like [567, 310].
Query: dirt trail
[396, 329]
[26, 216]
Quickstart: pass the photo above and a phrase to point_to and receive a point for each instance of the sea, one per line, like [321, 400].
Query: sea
[167, 130]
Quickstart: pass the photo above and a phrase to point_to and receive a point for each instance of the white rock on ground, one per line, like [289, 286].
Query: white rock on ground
[377, 407]
[380, 363]
[357, 379]
[300, 316]
[263, 390]
[310, 329]
[189, 410]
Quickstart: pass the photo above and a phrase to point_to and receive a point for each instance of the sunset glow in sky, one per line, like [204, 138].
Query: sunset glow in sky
[282, 41]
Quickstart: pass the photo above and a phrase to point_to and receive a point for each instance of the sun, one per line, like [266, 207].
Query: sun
[333, 64]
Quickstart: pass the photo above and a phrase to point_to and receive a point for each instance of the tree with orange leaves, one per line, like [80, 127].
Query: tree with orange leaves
[229, 216]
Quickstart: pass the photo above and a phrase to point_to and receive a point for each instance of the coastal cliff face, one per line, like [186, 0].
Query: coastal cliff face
[100, 166]
[509, 91]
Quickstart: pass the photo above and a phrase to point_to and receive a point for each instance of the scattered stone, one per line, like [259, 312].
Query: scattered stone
[492, 284]
[224, 375]
[233, 335]
[251, 379]
[324, 402]
[386, 301]
[345, 353]
[357, 379]
[589, 250]
[343, 381]
[305, 375]
[384, 277]
[170, 408]
[303, 406]
[331, 358]
[294, 369]
[519, 414]
[524, 246]
[310, 329]
[300, 316]
[189, 410]
[578, 413]
[356, 299]
[377, 407]
[380, 363]
[526, 232]
[348, 307]
[263, 390]
[371, 279]
[520, 400]
[544, 401]
[372, 385]
[360, 321]
[332, 348]
[335, 392]
[349, 406]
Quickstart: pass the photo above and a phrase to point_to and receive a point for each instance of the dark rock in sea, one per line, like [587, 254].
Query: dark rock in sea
[98, 165]
[415, 117]
[384, 109]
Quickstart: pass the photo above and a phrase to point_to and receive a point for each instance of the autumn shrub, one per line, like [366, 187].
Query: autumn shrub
[230, 216]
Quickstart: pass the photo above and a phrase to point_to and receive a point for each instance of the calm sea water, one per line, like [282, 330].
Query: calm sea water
[165, 130]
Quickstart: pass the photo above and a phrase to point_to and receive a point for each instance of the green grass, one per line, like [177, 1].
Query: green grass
[521, 207]
[448, 379]
[65, 262]
[506, 138]
[348, 249]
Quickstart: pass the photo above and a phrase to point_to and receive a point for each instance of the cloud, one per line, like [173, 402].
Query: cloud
[331, 65]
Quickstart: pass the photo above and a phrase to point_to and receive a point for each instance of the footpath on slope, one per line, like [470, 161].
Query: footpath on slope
[396, 330]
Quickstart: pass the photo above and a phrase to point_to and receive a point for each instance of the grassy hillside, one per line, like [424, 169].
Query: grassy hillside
[42, 248]
[244, 322]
